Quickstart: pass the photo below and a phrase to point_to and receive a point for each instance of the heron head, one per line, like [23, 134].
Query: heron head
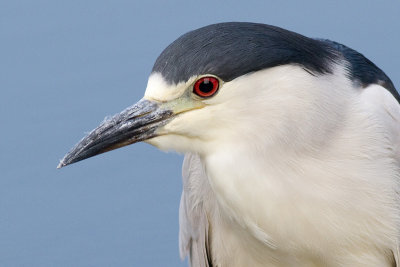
[212, 86]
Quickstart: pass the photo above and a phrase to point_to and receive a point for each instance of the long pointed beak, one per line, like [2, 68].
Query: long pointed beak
[136, 123]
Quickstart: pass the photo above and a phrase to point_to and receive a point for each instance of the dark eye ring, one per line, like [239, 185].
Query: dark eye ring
[206, 86]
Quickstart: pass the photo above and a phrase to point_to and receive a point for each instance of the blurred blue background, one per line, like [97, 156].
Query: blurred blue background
[65, 65]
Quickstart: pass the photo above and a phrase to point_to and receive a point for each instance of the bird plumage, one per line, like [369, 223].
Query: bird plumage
[294, 161]
[322, 191]
[194, 213]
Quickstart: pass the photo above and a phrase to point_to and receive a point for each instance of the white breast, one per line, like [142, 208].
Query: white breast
[329, 200]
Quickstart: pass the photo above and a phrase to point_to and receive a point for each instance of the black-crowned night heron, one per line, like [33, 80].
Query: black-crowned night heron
[292, 147]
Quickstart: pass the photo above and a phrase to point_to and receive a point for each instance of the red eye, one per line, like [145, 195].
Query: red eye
[206, 86]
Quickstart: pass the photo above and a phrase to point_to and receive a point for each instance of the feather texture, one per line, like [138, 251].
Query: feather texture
[193, 219]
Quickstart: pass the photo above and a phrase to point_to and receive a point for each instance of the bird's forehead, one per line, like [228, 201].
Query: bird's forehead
[160, 90]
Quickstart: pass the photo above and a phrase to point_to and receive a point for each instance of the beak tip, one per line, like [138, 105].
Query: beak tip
[61, 164]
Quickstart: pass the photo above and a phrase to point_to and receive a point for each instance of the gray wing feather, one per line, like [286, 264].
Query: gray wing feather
[193, 220]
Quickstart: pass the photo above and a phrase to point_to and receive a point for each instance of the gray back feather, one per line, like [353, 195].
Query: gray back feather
[193, 218]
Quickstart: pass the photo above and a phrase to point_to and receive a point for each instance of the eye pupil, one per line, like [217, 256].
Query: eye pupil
[206, 86]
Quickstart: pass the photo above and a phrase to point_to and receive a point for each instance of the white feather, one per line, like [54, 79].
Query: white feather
[303, 169]
[194, 213]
